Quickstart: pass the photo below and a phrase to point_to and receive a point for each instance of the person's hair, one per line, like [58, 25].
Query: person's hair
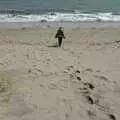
[60, 28]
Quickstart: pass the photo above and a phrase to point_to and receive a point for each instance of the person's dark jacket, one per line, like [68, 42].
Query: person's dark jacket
[59, 34]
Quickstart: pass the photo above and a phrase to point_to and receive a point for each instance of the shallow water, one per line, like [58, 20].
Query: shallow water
[59, 10]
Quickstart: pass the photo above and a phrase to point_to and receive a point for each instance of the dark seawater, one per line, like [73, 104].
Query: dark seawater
[59, 10]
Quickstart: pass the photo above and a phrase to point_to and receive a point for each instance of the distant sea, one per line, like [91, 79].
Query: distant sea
[59, 10]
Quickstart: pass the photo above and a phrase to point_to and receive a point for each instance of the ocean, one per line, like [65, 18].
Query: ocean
[59, 10]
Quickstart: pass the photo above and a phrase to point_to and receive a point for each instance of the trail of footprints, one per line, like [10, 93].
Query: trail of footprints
[88, 89]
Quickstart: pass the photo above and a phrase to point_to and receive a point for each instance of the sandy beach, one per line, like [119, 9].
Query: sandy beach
[80, 81]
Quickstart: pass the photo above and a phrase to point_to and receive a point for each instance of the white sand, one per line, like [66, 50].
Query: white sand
[45, 84]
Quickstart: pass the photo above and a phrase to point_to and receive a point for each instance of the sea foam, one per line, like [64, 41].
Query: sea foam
[57, 16]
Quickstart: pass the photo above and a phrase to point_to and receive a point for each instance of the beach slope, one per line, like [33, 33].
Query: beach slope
[80, 81]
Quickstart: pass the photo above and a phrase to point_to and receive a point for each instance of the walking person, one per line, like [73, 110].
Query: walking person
[60, 35]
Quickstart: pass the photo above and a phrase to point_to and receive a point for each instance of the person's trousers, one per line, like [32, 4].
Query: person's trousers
[60, 41]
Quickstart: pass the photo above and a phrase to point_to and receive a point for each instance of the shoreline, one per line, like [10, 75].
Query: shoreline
[19, 25]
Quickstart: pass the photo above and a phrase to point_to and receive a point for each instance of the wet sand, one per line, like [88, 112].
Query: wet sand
[66, 24]
[81, 80]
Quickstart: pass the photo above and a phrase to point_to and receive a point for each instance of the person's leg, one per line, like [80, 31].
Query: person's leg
[60, 42]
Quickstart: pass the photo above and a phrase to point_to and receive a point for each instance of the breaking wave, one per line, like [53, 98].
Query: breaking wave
[58, 16]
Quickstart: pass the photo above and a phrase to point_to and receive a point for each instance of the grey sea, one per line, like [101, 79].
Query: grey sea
[59, 10]
[83, 5]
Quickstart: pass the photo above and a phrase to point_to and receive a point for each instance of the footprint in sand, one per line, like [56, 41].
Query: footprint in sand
[88, 70]
[91, 114]
[77, 71]
[85, 91]
[66, 115]
[78, 78]
[53, 86]
[94, 116]
[86, 94]
[107, 111]
[35, 71]
[101, 77]
[29, 71]
[69, 69]
[89, 99]
[89, 85]
[42, 85]
[112, 117]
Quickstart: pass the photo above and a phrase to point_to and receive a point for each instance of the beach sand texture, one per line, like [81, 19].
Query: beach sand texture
[80, 81]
